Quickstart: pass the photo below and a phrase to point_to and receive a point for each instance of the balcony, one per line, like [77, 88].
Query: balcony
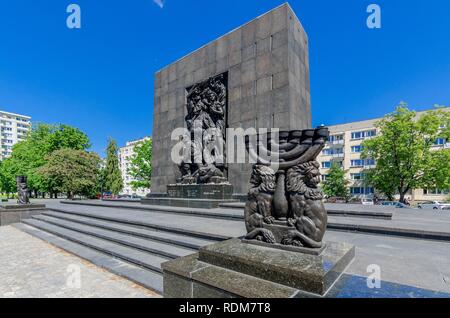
[337, 142]
[337, 156]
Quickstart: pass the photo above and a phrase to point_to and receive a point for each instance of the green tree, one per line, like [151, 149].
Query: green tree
[74, 172]
[336, 185]
[404, 154]
[8, 177]
[113, 178]
[29, 155]
[141, 165]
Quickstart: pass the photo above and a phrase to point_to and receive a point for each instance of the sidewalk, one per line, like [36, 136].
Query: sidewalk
[31, 268]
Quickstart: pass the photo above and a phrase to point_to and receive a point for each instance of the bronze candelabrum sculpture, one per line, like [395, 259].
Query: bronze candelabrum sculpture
[285, 206]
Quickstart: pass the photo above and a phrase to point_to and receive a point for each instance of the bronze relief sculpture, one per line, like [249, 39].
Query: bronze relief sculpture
[285, 207]
[206, 117]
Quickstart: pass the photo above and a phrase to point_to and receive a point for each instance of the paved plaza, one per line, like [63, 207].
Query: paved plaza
[31, 268]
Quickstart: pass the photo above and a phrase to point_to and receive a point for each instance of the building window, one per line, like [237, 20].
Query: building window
[362, 163]
[362, 190]
[357, 176]
[357, 163]
[326, 164]
[357, 149]
[440, 142]
[436, 192]
[335, 138]
[324, 177]
[364, 134]
[332, 151]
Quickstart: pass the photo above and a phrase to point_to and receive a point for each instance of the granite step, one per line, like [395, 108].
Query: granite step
[215, 213]
[348, 211]
[123, 219]
[153, 247]
[164, 237]
[126, 253]
[137, 274]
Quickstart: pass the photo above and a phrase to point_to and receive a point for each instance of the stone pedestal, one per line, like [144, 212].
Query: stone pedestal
[14, 213]
[204, 196]
[200, 191]
[237, 269]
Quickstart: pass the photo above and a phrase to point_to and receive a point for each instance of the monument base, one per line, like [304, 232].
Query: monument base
[222, 191]
[14, 213]
[236, 269]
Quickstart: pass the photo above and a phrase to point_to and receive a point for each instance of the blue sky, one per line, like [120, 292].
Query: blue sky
[100, 78]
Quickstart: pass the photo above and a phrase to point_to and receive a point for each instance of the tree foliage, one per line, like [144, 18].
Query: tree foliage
[75, 172]
[141, 165]
[335, 184]
[29, 155]
[404, 153]
[113, 178]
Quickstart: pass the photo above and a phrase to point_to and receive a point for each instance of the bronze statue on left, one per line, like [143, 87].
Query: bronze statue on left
[23, 195]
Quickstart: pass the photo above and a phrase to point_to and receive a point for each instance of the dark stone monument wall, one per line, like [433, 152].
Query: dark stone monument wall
[268, 86]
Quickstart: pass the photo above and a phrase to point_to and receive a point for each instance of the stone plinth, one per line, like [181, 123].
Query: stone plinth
[236, 269]
[14, 213]
[200, 191]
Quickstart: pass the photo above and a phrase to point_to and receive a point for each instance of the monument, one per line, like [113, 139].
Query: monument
[256, 76]
[14, 213]
[283, 253]
[23, 195]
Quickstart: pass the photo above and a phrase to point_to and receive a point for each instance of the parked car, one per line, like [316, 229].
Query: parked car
[336, 200]
[435, 205]
[395, 204]
[366, 201]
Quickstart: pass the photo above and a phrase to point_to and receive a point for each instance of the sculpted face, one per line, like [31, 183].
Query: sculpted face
[312, 179]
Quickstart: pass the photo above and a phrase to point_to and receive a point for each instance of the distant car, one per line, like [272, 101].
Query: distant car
[108, 195]
[336, 200]
[434, 205]
[395, 204]
[129, 196]
[366, 201]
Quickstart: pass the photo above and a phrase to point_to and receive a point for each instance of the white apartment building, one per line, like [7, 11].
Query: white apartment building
[344, 147]
[14, 128]
[125, 155]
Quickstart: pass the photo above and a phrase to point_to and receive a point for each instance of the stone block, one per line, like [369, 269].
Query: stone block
[249, 33]
[235, 41]
[222, 47]
[263, 65]
[248, 52]
[279, 39]
[248, 89]
[264, 85]
[280, 79]
[248, 71]
[263, 46]
[234, 77]
[279, 19]
[234, 94]
[236, 269]
[264, 26]
[235, 58]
